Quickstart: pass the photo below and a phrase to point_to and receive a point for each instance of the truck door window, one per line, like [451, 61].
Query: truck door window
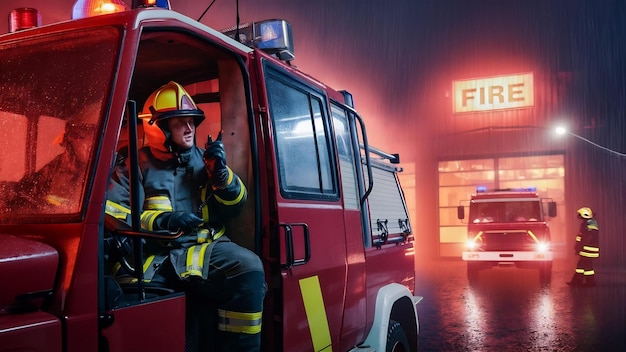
[302, 143]
[346, 154]
[52, 94]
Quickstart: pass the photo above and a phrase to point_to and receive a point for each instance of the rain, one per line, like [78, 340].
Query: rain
[400, 59]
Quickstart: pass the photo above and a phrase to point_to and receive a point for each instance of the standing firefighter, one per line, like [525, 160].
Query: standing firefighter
[193, 190]
[587, 248]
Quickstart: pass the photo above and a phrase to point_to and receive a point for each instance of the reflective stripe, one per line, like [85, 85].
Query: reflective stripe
[578, 238]
[532, 235]
[591, 249]
[239, 322]
[589, 255]
[204, 193]
[148, 217]
[242, 192]
[195, 260]
[316, 313]
[592, 227]
[116, 210]
[203, 235]
[589, 272]
[158, 203]
[580, 271]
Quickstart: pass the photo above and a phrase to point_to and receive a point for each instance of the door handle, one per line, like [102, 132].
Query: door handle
[290, 260]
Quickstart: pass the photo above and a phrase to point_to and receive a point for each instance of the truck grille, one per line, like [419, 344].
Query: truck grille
[508, 241]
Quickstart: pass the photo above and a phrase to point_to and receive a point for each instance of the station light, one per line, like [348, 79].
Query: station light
[24, 18]
[561, 130]
[88, 8]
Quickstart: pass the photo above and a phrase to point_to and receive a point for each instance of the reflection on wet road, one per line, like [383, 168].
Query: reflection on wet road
[507, 309]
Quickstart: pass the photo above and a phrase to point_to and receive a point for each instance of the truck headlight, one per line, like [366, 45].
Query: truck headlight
[543, 247]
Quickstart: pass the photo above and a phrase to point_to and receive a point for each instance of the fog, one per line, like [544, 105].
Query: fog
[399, 58]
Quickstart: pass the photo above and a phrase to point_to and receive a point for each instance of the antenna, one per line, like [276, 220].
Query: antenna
[237, 21]
[205, 10]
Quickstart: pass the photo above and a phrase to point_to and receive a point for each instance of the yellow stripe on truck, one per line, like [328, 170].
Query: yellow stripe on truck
[316, 313]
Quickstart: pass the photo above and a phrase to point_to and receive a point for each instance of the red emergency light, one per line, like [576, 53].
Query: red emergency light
[24, 18]
[88, 8]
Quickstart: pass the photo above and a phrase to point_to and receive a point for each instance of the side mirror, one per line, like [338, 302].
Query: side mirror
[460, 212]
[552, 209]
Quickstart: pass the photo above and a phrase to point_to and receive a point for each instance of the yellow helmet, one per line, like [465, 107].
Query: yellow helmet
[169, 101]
[585, 213]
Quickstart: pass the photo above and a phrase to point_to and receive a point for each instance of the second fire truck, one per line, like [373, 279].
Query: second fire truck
[508, 227]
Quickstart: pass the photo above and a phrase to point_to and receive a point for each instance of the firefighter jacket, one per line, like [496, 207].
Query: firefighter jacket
[587, 240]
[178, 184]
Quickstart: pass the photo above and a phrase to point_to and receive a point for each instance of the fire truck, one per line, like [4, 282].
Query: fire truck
[508, 227]
[325, 211]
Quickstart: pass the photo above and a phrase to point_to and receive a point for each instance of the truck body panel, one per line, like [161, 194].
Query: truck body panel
[338, 253]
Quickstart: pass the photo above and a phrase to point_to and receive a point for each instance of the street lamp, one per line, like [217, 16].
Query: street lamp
[560, 130]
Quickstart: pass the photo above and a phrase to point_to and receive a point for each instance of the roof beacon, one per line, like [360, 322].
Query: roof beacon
[271, 36]
[165, 4]
[89, 8]
[24, 18]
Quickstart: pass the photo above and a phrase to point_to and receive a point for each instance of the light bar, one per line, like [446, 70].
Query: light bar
[89, 8]
[24, 18]
[272, 36]
[481, 189]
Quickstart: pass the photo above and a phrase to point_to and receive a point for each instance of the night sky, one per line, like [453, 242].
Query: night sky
[398, 59]
[389, 53]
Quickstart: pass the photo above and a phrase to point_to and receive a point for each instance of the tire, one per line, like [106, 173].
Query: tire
[545, 273]
[472, 272]
[396, 338]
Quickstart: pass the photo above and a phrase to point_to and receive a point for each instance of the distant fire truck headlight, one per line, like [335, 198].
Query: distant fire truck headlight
[88, 8]
[471, 245]
[543, 247]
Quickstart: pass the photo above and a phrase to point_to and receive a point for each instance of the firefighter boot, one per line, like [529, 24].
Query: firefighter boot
[577, 280]
[590, 281]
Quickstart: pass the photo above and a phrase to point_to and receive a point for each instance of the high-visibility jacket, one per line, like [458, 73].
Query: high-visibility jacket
[587, 240]
[179, 184]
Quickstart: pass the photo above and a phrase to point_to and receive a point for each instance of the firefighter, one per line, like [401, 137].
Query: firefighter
[57, 187]
[587, 248]
[193, 190]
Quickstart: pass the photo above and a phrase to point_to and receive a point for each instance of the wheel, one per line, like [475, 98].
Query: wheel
[545, 273]
[396, 338]
[472, 272]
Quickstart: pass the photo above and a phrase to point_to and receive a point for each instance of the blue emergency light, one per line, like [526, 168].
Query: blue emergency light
[164, 4]
[272, 36]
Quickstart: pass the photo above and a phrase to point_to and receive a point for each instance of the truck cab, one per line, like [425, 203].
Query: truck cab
[325, 213]
[508, 227]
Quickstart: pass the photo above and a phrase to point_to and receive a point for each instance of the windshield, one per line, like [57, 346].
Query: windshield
[52, 95]
[505, 211]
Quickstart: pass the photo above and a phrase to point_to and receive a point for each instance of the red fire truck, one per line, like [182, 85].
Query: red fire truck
[325, 210]
[508, 227]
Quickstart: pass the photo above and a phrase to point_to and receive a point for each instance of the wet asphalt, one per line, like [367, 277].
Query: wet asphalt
[509, 309]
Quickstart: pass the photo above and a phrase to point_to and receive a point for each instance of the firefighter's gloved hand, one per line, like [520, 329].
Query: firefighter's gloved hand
[215, 162]
[181, 220]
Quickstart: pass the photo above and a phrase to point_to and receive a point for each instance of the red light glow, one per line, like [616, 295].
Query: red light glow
[24, 18]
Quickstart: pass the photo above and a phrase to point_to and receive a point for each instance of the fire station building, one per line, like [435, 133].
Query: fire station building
[497, 131]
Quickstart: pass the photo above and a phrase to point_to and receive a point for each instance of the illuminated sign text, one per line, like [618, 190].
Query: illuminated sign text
[493, 93]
